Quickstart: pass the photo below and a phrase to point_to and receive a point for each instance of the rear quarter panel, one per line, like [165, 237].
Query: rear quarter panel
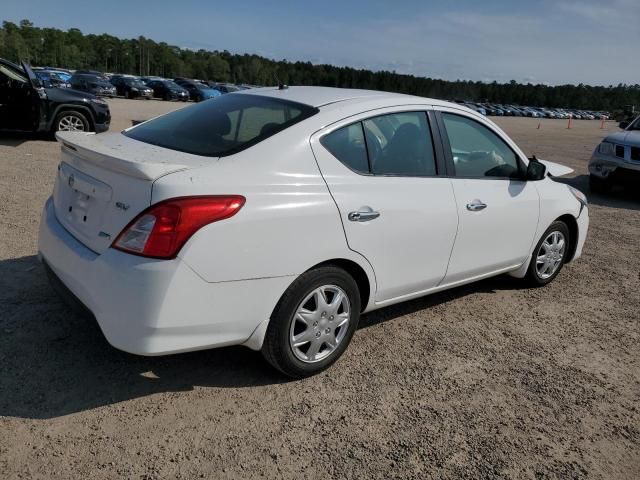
[288, 224]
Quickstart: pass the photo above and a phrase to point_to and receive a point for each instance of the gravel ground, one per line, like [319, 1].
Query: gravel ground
[491, 380]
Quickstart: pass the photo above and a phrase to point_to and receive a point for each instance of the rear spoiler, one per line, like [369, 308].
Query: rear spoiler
[116, 152]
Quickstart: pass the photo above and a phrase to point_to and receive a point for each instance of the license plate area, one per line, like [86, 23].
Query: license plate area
[80, 201]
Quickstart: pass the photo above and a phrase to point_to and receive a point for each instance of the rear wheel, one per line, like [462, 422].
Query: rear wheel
[549, 255]
[71, 121]
[313, 322]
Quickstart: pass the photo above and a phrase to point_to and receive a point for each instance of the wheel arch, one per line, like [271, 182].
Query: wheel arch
[357, 272]
[365, 280]
[572, 224]
[67, 107]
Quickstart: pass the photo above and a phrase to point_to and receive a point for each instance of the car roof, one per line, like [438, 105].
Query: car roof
[321, 96]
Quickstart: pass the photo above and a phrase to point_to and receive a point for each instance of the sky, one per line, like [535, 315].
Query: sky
[595, 42]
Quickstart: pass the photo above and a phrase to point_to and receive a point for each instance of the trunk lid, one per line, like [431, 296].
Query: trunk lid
[105, 180]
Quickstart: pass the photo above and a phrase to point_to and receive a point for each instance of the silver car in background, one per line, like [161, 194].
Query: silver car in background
[616, 159]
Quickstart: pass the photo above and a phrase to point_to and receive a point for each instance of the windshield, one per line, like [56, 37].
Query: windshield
[635, 125]
[132, 82]
[223, 126]
[172, 85]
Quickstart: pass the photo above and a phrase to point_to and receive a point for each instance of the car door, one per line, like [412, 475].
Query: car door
[34, 107]
[19, 101]
[396, 211]
[497, 208]
[5, 90]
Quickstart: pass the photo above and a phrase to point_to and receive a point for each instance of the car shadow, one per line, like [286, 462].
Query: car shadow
[626, 197]
[15, 139]
[55, 362]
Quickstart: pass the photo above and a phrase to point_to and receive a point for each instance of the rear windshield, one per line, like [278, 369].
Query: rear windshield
[221, 126]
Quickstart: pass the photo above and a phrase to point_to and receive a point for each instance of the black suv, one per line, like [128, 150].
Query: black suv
[168, 90]
[25, 105]
[131, 87]
[88, 82]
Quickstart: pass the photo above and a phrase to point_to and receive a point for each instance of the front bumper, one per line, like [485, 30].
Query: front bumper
[583, 228]
[102, 118]
[102, 127]
[155, 307]
[605, 166]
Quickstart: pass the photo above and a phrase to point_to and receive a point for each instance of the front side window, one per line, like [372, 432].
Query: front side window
[477, 151]
[223, 126]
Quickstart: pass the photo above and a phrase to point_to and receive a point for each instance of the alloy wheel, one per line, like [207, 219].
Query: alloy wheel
[71, 123]
[320, 323]
[550, 255]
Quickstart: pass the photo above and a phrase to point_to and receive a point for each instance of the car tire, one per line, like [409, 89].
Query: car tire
[71, 121]
[320, 310]
[549, 255]
[599, 185]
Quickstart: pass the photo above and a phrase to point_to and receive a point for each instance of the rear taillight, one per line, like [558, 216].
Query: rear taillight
[162, 229]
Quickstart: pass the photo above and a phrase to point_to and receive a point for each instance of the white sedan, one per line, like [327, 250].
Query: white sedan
[275, 217]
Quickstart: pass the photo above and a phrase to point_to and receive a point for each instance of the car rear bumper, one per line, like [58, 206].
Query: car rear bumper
[155, 307]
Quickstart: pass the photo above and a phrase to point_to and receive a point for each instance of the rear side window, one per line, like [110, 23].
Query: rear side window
[223, 126]
[397, 144]
[347, 145]
[400, 144]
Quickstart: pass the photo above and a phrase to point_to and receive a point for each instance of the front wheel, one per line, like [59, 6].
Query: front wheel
[549, 255]
[313, 322]
[71, 122]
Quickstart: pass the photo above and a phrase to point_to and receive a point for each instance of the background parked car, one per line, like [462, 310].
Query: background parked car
[63, 74]
[93, 84]
[224, 87]
[28, 106]
[131, 87]
[197, 91]
[616, 160]
[168, 90]
[51, 79]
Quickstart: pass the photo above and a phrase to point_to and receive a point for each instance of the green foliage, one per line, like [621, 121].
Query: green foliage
[74, 50]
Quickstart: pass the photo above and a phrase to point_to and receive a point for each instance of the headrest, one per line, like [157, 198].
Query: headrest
[221, 122]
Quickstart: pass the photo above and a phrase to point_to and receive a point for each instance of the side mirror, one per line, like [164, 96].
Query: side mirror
[535, 170]
[623, 125]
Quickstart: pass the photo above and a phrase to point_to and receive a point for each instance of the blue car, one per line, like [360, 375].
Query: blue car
[197, 91]
[52, 79]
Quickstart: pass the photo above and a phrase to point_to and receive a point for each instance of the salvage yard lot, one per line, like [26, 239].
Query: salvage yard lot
[488, 380]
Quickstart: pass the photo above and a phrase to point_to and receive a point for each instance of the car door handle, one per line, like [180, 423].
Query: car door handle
[476, 206]
[364, 214]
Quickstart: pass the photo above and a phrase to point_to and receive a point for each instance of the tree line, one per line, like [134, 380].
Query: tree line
[142, 56]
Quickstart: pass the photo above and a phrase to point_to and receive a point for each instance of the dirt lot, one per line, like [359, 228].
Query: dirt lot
[492, 380]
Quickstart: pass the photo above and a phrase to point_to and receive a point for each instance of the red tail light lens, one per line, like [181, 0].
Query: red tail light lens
[162, 229]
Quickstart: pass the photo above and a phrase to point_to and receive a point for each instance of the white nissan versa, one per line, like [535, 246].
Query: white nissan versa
[274, 217]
